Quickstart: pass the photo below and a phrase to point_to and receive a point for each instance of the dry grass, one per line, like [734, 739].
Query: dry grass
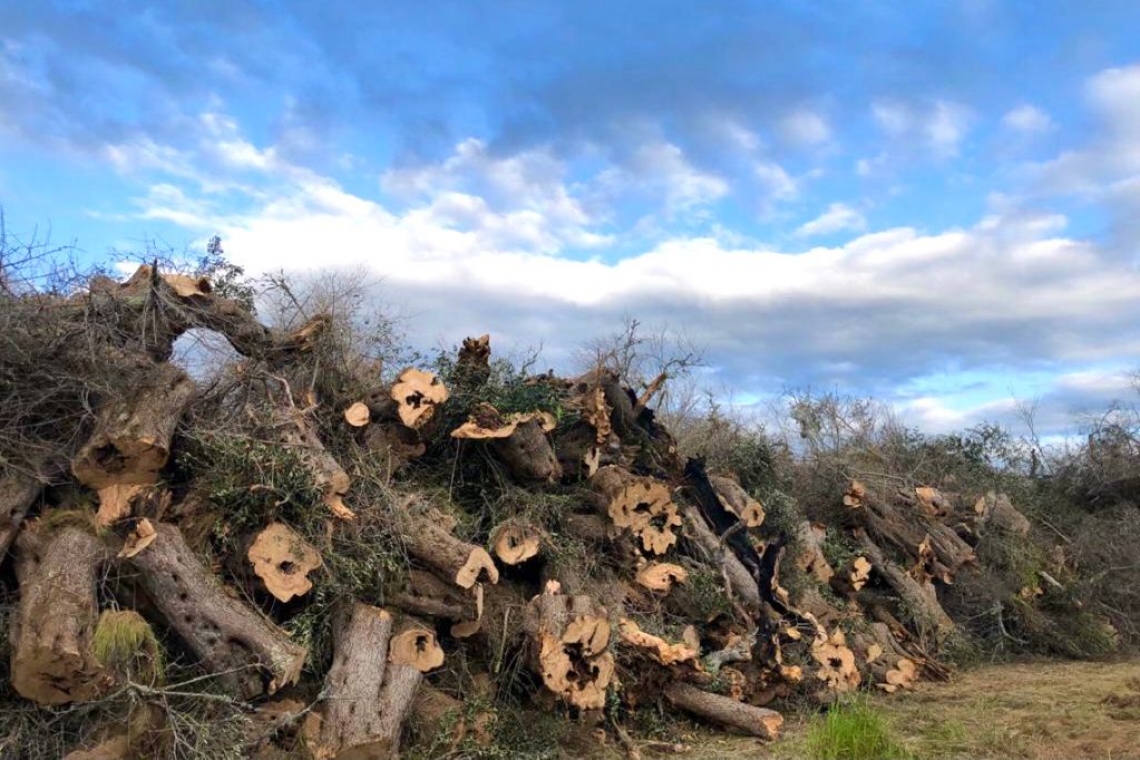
[1027, 711]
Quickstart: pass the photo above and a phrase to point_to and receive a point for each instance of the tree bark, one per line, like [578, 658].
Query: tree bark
[250, 654]
[52, 660]
[368, 696]
[427, 540]
[724, 711]
[131, 441]
[18, 492]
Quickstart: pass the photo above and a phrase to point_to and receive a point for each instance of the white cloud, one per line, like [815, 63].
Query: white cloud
[1027, 118]
[837, 217]
[940, 126]
[777, 183]
[805, 127]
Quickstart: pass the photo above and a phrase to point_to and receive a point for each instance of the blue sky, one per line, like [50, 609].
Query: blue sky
[937, 203]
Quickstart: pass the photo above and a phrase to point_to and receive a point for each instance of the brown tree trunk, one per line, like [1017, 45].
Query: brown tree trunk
[368, 696]
[742, 586]
[297, 434]
[920, 600]
[724, 711]
[250, 654]
[644, 506]
[18, 492]
[52, 661]
[426, 539]
[437, 719]
[131, 441]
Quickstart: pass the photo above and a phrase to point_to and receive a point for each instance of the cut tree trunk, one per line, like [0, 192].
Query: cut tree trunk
[724, 711]
[131, 441]
[250, 654]
[661, 576]
[518, 440]
[570, 639]
[297, 434]
[428, 596]
[438, 719]
[368, 695]
[737, 501]
[921, 600]
[741, 585]
[516, 541]
[643, 506]
[52, 661]
[426, 539]
[283, 561]
[414, 643]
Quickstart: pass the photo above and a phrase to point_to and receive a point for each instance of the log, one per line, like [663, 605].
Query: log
[643, 506]
[998, 514]
[737, 501]
[427, 540]
[18, 492]
[920, 599]
[473, 365]
[518, 440]
[515, 541]
[724, 711]
[293, 430]
[429, 596]
[741, 585]
[570, 639]
[131, 440]
[283, 561]
[811, 559]
[835, 662]
[438, 719]
[250, 654]
[368, 695]
[414, 643]
[906, 525]
[411, 401]
[52, 658]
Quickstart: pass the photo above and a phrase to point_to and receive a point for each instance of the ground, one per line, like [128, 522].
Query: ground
[1030, 711]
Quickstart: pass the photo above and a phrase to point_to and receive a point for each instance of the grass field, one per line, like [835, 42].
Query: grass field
[1031, 711]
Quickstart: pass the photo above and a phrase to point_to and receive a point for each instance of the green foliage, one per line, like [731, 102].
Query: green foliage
[853, 730]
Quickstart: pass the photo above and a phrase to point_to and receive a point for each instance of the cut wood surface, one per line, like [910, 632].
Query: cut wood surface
[414, 643]
[427, 539]
[519, 440]
[570, 647]
[248, 652]
[737, 501]
[515, 542]
[661, 576]
[283, 561]
[641, 505]
[657, 648]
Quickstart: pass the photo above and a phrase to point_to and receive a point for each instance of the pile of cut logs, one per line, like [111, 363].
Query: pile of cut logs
[688, 609]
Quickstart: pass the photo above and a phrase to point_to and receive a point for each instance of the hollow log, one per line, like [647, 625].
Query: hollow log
[131, 440]
[368, 695]
[518, 440]
[411, 401]
[283, 561]
[414, 643]
[52, 658]
[921, 600]
[516, 541]
[250, 654]
[570, 639]
[835, 662]
[724, 711]
[737, 501]
[427, 540]
[643, 506]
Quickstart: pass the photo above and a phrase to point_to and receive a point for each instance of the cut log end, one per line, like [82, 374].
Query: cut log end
[283, 561]
[417, 394]
[479, 568]
[643, 506]
[514, 543]
[416, 645]
[571, 639]
[661, 576]
[357, 415]
[657, 648]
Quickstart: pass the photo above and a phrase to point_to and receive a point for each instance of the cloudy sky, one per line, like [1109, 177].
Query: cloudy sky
[937, 203]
